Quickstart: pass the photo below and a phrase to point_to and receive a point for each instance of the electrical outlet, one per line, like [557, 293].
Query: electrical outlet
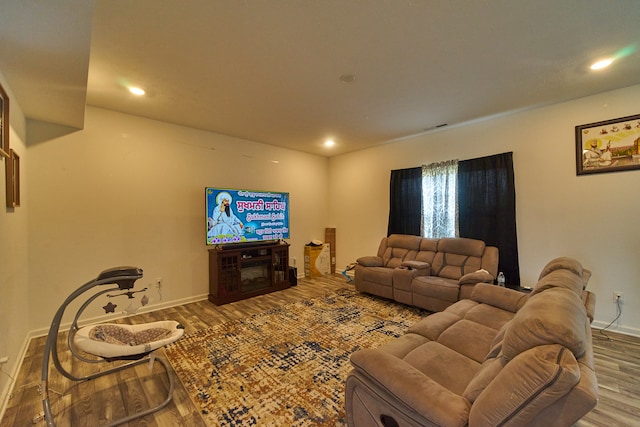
[4, 360]
[617, 297]
[293, 261]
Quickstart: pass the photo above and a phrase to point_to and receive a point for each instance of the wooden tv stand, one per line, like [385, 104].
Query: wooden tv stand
[243, 271]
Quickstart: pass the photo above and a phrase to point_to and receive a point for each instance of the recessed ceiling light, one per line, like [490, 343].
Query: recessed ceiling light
[601, 64]
[136, 90]
[329, 143]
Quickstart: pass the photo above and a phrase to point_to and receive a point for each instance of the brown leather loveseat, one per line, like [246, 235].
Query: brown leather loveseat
[427, 273]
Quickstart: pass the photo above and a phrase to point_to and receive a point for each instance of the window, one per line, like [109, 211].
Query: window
[439, 198]
[477, 201]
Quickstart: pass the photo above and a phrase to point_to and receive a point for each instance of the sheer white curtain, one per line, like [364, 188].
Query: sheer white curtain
[440, 205]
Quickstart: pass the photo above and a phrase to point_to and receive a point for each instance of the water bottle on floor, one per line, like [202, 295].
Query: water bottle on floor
[501, 279]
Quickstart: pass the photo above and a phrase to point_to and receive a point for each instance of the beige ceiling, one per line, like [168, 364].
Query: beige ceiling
[269, 70]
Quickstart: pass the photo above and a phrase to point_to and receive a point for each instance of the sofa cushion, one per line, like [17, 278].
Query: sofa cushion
[556, 316]
[462, 307]
[490, 316]
[379, 275]
[394, 257]
[402, 345]
[454, 266]
[432, 326]
[503, 298]
[428, 249]
[436, 287]
[457, 257]
[560, 279]
[462, 246]
[468, 338]
[562, 263]
[400, 247]
[532, 381]
[436, 360]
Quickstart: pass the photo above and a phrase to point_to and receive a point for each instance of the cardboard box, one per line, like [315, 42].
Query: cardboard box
[317, 260]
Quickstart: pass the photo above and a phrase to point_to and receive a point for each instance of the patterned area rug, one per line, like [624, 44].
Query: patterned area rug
[286, 366]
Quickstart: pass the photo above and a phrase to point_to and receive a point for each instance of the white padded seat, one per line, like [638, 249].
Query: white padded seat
[111, 341]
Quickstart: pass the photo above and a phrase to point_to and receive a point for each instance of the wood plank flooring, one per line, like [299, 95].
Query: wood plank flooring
[97, 402]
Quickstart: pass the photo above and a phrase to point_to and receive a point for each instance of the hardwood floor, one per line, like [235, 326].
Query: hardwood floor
[93, 403]
[617, 364]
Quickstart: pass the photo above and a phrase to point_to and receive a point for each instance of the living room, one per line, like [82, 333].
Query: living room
[127, 190]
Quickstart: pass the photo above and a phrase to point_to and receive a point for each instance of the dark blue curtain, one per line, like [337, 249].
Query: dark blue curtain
[487, 208]
[405, 201]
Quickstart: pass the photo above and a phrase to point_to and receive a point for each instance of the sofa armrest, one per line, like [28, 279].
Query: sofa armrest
[370, 261]
[423, 268]
[497, 296]
[480, 276]
[410, 386]
[589, 301]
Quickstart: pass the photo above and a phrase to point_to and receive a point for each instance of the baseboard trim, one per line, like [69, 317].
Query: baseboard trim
[620, 329]
[7, 391]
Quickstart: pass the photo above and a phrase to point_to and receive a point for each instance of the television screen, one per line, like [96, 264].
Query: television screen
[237, 216]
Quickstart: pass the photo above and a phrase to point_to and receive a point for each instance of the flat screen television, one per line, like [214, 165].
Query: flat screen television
[244, 216]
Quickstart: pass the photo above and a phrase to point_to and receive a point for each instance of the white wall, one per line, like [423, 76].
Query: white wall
[593, 218]
[14, 289]
[130, 191]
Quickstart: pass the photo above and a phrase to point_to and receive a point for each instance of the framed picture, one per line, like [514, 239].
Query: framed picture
[608, 146]
[4, 123]
[12, 174]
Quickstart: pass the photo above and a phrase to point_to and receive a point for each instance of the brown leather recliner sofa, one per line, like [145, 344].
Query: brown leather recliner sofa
[499, 358]
[427, 273]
